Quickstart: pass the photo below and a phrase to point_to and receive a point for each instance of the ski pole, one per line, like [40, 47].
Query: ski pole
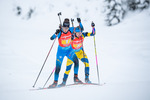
[73, 26]
[72, 22]
[96, 57]
[44, 63]
[47, 54]
[49, 77]
[60, 18]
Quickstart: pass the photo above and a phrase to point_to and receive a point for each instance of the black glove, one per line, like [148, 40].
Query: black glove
[57, 31]
[79, 20]
[92, 24]
[72, 36]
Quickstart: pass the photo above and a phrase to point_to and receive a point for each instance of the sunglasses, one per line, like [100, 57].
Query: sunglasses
[65, 28]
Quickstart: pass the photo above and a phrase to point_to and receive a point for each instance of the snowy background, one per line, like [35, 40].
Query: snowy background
[123, 52]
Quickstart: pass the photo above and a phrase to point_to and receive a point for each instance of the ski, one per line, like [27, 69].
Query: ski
[68, 85]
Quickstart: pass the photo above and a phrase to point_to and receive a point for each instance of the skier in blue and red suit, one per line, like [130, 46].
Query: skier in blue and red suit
[64, 35]
[77, 45]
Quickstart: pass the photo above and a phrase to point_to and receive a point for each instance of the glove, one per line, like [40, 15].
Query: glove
[92, 24]
[72, 36]
[57, 31]
[79, 20]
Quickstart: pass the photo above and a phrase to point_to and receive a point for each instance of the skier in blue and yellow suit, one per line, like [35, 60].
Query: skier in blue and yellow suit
[65, 49]
[77, 45]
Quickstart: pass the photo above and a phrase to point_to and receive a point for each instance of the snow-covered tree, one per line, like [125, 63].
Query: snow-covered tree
[115, 10]
[138, 4]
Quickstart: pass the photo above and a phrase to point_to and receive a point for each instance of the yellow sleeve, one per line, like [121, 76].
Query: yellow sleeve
[89, 34]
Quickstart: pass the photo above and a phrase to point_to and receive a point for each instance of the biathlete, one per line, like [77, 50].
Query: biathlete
[64, 35]
[77, 45]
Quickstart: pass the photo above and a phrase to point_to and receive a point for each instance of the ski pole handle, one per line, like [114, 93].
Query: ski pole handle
[93, 28]
[92, 24]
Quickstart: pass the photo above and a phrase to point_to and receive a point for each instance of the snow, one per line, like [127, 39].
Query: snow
[123, 52]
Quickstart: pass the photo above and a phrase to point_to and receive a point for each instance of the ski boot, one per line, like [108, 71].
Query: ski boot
[76, 79]
[53, 85]
[62, 84]
[87, 80]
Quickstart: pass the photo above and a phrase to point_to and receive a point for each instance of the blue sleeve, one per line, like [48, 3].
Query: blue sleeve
[59, 34]
[71, 29]
[54, 36]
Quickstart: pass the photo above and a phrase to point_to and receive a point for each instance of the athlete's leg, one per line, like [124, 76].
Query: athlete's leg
[68, 68]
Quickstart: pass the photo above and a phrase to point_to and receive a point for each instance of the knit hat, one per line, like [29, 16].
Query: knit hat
[77, 29]
[66, 23]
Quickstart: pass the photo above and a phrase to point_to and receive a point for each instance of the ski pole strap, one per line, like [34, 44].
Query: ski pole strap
[93, 30]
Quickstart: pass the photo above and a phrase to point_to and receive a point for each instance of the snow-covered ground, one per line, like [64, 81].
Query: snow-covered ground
[123, 52]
